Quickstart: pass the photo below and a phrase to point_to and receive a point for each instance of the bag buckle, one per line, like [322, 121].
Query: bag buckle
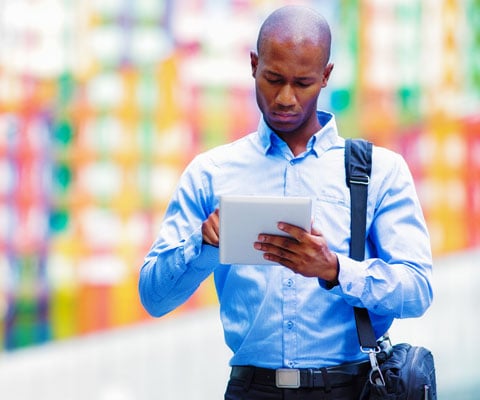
[287, 378]
[375, 376]
[360, 179]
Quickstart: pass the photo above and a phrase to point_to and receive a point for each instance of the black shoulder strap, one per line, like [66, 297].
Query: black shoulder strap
[358, 168]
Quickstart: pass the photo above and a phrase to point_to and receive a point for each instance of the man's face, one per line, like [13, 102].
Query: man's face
[288, 80]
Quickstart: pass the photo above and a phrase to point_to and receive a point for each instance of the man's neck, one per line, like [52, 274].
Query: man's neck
[297, 147]
[298, 141]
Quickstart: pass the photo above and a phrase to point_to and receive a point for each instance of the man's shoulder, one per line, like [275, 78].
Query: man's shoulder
[385, 156]
[388, 166]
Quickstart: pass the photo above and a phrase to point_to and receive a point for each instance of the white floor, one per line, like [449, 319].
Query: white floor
[451, 327]
[174, 358]
[184, 357]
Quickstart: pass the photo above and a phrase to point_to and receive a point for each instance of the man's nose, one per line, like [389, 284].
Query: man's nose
[286, 96]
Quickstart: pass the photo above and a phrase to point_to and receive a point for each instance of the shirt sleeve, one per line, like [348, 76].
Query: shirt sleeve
[179, 261]
[395, 278]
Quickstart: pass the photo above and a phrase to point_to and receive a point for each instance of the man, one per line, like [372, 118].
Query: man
[296, 315]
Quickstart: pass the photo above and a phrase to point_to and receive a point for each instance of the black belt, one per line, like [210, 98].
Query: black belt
[326, 378]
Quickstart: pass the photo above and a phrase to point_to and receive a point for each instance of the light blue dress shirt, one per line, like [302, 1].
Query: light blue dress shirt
[271, 316]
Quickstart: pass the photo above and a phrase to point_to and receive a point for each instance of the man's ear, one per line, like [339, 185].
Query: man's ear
[326, 74]
[254, 62]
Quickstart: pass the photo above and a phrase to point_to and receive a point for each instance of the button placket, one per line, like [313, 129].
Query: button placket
[289, 317]
[292, 180]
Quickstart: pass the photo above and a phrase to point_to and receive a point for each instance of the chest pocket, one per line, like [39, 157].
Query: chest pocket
[332, 219]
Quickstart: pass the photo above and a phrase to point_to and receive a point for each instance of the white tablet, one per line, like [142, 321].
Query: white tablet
[243, 218]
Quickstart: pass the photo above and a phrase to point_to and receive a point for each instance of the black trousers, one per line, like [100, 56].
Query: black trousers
[241, 390]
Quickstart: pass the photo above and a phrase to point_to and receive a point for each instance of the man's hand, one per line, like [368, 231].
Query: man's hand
[210, 229]
[305, 253]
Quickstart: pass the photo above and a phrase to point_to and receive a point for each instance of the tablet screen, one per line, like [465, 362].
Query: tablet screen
[243, 218]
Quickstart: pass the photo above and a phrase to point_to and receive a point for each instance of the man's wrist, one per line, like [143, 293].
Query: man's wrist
[330, 284]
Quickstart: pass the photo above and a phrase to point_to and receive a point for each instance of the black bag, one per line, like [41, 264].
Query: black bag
[400, 372]
[408, 374]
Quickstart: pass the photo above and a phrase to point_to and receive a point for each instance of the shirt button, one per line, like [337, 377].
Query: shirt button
[289, 324]
[289, 282]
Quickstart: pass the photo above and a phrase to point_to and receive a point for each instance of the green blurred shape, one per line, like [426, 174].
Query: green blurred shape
[63, 132]
[66, 88]
[473, 15]
[59, 220]
[62, 176]
[409, 100]
[214, 125]
[147, 96]
[27, 316]
[26, 328]
[146, 138]
[340, 99]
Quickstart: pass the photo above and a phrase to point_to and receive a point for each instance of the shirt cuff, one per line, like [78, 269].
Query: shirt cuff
[198, 255]
[351, 278]
[193, 246]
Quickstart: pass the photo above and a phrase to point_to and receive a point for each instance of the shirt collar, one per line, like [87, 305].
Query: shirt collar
[322, 140]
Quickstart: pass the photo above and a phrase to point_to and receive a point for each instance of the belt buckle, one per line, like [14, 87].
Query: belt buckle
[287, 378]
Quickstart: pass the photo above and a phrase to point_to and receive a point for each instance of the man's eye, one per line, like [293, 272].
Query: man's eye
[303, 84]
[273, 80]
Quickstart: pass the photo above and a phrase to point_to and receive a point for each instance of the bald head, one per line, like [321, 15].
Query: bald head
[296, 24]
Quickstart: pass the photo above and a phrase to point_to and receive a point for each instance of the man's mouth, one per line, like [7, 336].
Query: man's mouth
[283, 117]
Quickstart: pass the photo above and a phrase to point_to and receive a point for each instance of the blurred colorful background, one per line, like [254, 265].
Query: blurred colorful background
[102, 104]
